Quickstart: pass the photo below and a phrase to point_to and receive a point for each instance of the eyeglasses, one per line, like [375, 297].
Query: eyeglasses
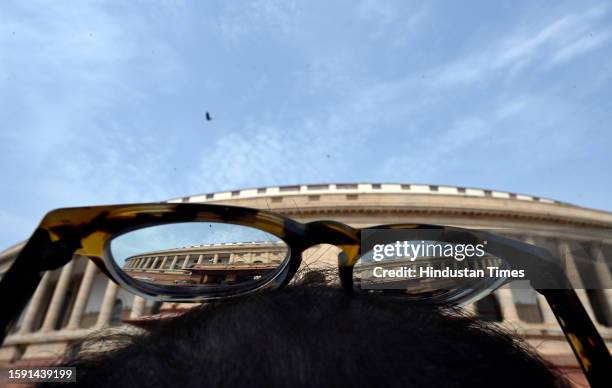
[197, 252]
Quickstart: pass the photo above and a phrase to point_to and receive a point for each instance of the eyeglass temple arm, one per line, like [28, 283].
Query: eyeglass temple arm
[18, 284]
[587, 344]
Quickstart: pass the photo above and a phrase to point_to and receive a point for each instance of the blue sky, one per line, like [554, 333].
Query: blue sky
[104, 103]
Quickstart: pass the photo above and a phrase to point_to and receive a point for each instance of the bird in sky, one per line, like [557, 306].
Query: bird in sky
[208, 116]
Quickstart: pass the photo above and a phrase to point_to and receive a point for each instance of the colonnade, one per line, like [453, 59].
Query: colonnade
[66, 277]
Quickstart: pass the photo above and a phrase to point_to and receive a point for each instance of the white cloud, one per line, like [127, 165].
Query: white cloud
[581, 46]
[266, 155]
[393, 21]
[254, 156]
[553, 43]
[424, 159]
[235, 23]
[66, 74]
[70, 71]
[522, 134]
[79, 123]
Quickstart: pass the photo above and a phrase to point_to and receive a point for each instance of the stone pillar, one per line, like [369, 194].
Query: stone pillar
[548, 317]
[200, 259]
[163, 263]
[58, 297]
[110, 295]
[574, 275]
[506, 302]
[604, 279]
[173, 264]
[216, 258]
[82, 296]
[185, 262]
[155, 261]
[138, 307]
[33, 308]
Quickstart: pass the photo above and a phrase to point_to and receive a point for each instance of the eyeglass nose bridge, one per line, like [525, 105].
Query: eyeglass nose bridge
[343, 236]
[335, 233]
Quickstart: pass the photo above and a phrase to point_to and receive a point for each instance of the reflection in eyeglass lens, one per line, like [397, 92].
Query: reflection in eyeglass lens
[198, 254]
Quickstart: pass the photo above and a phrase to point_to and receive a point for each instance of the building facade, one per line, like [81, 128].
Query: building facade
[77, 299]
[209, 264]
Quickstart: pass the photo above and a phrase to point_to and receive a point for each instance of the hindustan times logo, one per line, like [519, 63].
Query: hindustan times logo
[414, 249]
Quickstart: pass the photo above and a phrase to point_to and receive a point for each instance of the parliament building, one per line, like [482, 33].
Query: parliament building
[72, 302]
[227, 263]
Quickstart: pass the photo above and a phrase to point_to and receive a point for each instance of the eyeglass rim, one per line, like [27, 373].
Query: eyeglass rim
[64, 232]
[95, 226]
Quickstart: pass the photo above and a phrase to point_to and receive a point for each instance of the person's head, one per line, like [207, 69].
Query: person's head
[318, 336]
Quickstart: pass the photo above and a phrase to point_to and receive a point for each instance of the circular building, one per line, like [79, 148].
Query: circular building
[76, 299]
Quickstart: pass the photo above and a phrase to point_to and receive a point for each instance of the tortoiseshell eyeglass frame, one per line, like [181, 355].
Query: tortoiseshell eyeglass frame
[87, 231]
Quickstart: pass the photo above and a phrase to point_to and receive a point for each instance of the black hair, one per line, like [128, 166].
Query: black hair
[314, 336]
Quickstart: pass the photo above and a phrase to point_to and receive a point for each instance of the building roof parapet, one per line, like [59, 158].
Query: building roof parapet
[357, 188]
